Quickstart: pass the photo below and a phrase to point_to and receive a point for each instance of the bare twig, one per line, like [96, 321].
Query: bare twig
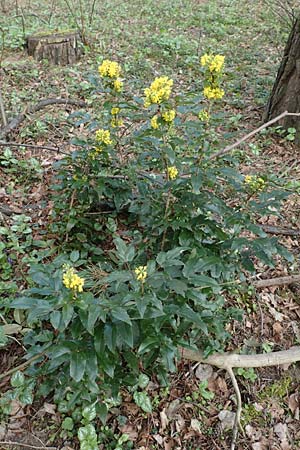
[21, 366]
[42, 147]
[249, 135]
[21, 444]
[2, 111]
[280, 281]
[228, 361]
[282, 231]
[14, 123]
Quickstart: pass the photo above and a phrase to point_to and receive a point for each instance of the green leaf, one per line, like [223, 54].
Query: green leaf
[17, 379]
[67, 424]
[67, 313]
[77, 365]
[125, 333]
[121, 314]
[55, 318]
[74, 256]
[102, 412]
[89, 413]
[197, 181]
[143, 380]
[177, 286]
[26, 396]
[143, 401]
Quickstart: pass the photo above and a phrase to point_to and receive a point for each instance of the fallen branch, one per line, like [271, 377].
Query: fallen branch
[282, 231]
[249, 135]
[279, 281]
[229, 361]
[42, 147]
[14, 123]
[2, 111]
[21, 444]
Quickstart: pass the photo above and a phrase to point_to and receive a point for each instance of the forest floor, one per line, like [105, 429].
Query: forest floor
[151, 38]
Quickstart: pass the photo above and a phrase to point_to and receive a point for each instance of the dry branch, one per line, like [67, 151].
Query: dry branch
[249, 135]
[35, 146]
[279, 281]
[281, 231]
[228, 361]
[14, 123]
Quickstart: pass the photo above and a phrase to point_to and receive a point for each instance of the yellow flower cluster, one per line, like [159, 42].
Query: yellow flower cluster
[118, 85]
[109, 69]
[159, 91]
[154, 122]
[116, 121]
[214, 63]
[169, 116]
[213, 93]
[255, 183]
[141, 273]
[72, 281]
[172, 172]
[115, 111]
[112, 70]
[103, 137]
[204, 116]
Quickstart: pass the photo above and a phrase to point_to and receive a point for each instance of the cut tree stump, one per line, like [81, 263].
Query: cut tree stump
[61, 48]
[285, 95]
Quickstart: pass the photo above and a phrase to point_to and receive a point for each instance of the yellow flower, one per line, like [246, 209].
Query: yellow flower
[109, 69]
[117, 85]
[169, 116]
[213, 93]
[172, 172]
[204, 116]
[214, 63]
[71, 280]
[154, 123]
[116, 122]
[141, 273]
[114, 111]
[159, 91]
[103, 137]
[254, 182]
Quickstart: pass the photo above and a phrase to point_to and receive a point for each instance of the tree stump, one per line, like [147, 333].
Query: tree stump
[61, 48]
[285, 94]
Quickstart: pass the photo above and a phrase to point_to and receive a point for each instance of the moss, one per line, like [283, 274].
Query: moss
[279, 389]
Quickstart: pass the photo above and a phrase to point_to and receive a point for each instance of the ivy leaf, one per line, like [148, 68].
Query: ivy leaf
[143, 401]
[17, 379]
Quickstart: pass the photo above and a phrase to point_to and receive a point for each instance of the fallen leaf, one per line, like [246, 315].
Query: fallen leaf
[180, 423]
[163, 420]
[204, 372]
[294, 402]
[253, 433]
[227, 419]
[196, 426]
[130, 430]
[159, 439]
[173, 408]
[50, 408]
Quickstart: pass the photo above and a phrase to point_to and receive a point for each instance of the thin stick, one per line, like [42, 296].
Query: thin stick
[237, 420]
[2, 111]
[21, 366]
[14, 123]
[280, 281]
[249, 135]
[42, 147]
[21, 444]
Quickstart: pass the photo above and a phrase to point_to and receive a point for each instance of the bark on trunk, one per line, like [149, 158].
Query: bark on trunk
[285, 95]
[57, 48]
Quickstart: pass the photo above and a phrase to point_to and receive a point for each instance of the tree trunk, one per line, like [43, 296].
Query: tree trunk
[60, 48]
[285, 95]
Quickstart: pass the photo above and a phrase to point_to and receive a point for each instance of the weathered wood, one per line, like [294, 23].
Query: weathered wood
[285, 95]
[62, 48]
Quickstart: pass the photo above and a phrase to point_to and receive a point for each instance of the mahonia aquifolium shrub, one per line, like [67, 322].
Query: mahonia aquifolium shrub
[153, 236]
